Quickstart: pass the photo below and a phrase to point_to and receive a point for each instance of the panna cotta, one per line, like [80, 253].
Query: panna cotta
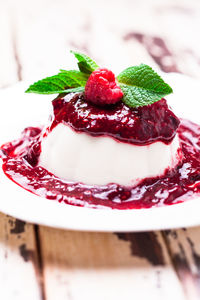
[73, 156]
[88, 144]
[111, 142]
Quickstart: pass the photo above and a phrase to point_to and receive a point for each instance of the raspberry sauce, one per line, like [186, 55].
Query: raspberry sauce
[138, 126]
[182, 183]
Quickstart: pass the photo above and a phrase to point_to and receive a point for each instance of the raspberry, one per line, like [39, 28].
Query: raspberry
[101, 88]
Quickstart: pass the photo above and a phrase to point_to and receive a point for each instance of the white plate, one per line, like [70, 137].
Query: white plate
[19, 110]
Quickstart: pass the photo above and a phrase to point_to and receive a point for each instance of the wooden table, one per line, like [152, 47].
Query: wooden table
[40, 263]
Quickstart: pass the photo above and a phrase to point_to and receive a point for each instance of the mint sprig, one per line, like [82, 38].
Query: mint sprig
[66, 81]
[85, 63]
[141, 86]
[59, 83]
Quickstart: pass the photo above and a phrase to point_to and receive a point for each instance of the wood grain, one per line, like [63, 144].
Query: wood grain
[19, 269]
[82, 265]
[184, 249]
[8, 74]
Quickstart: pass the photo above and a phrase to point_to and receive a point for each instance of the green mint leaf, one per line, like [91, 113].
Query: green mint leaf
[79, 89]
[85, 63]
[141, 86]
[79, 78]
[59, 83]
[134, 96]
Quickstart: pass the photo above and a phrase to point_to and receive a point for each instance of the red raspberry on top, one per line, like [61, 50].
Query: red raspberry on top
[101, 88]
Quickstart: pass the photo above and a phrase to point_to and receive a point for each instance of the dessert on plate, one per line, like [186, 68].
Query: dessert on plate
[110, 142]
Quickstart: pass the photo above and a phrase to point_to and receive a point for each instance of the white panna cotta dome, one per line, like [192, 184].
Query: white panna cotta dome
[81, 157]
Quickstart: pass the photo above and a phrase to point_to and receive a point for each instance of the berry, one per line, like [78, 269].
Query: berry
[101, 88]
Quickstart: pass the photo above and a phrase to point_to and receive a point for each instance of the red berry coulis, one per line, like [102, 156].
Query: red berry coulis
[20, 157]
[138, 126]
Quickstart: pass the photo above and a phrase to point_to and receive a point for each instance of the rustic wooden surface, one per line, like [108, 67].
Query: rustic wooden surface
[42, 263]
